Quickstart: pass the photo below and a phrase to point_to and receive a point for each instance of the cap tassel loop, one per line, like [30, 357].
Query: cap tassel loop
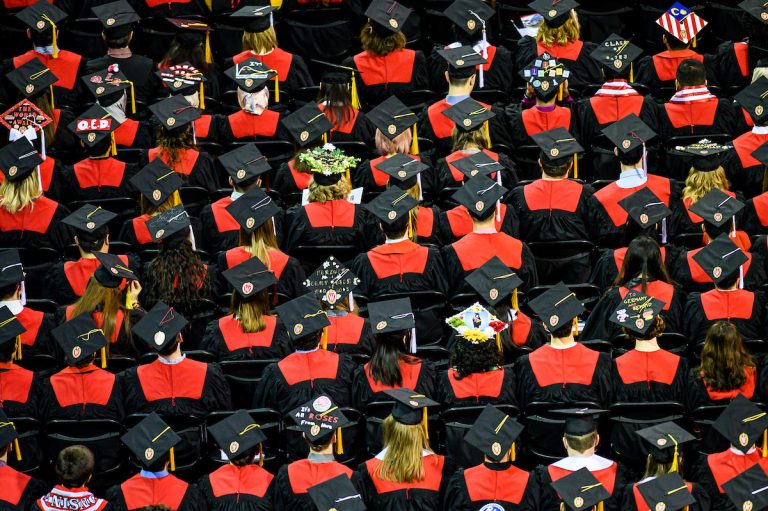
[277, 89]
[324, 339]
[515, 304]
[425, 423]
[414, 142]
[355, 97]
[339, 442]
[173, 461]
[764, 449]
[261, 455]
[104, 358]
[17, 355]
[16, 448]
[202, 96]
[208, 54]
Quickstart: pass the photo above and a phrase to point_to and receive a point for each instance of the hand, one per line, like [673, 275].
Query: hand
[134, 289]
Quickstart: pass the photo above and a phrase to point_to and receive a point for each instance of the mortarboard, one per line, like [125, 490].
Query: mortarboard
[252, 209]
[392, 117]
[32, 78]
[328, 164]
[89, 218]
[80, 338]
[391, 315]
[255, 18]
[716, 207]
[756, 8]
[476, 164]
[580, 421]
[388, 16]
[244, 163]
[94, 126]
[667, 492]
[42, 16]
[681, 23]
[184, 79]
[112, 270]
[303, 316]
[637, 312]
[468, 114]
[557, 147]
[476, 325]
[340, 75]
[151, 439]
[664, 440]
[331, 282]
[117, 18]
[754, 99]
[749, 489]
[494, 433]
[410, 407]
[18, 159]
[160, 326]
[707, 155]
[470, 15]
[742, 423]
[494, 281]
[462, 60]
[645, 208]
[25, 115]
[170, 222]
[479, 195]
[191, 32]
[554, 12]
[250, 75]
[556, 307]
[580, 490]
[546, 75]
[8, 434]
[391, 205]
[761, 154]
[175, 112]
[721, 258]
[617, 54]
[319, 418]
[337, 493]
[105, 84]
[237, 434]
[307, 124]
[249, 277]
[11, 269]
[629, 133]
[157, 181]
[10, 328]
[404, 169]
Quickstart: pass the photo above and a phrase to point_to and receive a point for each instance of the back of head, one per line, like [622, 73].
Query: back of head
[386, 358]
[16, 195]
[632, 157]
[260, 42]
[178, 277]
[404, 461]
[691, 72]
[581, 443]
[468, 358]
[474, 139]
[724, 359]
[396, 229]
[699, 183]
[401, 144]
[326, 193]
[74, 466]
[560, 36]
[92, 241]
[378, 43]
[643, 258]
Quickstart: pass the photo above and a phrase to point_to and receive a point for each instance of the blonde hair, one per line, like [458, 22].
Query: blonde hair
[250, 313]
[413, 214]
[17, 195]
[403, 462]
[323, 193]
[378, 45]
[147, 208]
[260, 42]
[106, 300]
[260, 242]
[654, 468]
[566, 33]
[699, 183]
[475, 139]
[401, 143]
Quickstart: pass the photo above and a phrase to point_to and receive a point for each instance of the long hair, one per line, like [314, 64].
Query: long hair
[655, 468]
[475, 139]
[179, 53]
[17, 195]
[180, 278]
[260, 242]
[699, 183]
[260, 42]
[250, 313]
[172, 145]
[379, 45]
[106, 300]
[323, 193]
[468, 358]
[724, 359]
[642, 263]
[566, 33]
[147, 208]
[338, 102]
[43, 102]
[401, 143]
[403, 462]
[385, 361]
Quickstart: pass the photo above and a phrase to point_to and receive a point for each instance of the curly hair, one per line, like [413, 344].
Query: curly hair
[566, 33]
[653, 331]
[379, 45]
[172, 143]
[468, 358]
[475, 139]
[178, 278]
[724, 359]
[699, 183]
[323, 194]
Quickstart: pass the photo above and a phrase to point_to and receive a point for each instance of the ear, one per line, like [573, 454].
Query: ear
[29, 33]
[106, 239]
[231, 183]
[597, 440]
[565, 443]
[445, 73]
[77, 241]
[616, 151]
[541, 167]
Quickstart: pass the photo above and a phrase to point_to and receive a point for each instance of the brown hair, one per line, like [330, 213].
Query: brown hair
[326, 193]
[378, 45]
[171, 145]
[147, 208]
[654, 468]
[581, 443]
[250, 313]
[724, 359]
[260, 42]
[403, 462]
[401, 143]
[74, 466]
[260, 242]
[566, 33]
[106, 300]
[655, 330]
[475, 139]
[699, 183]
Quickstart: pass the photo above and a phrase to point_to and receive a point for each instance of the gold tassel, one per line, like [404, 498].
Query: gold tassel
[765, 444]
[631, 73]
[18, 347]
[133, 99]
[173, 461]
[202, 96]
[104, 358]
[575, 328]
[675, 467]
[498, 342]
[128, 301]
[277, 89]
[414, 142]
[513, 453]
[487, 133]
[339, 442]
[600, 506]
[53, 105]
[16, 447]
[693, 42]
[175, 198]
[355, 98]
[560, 92]
[325, 138]
[113, 144]
[575, 166]
[425, 423]
[209, 5]
[349, 177]
[208, 54]
[261, 455]
[55, 42]
[515, 304]
[324, 339]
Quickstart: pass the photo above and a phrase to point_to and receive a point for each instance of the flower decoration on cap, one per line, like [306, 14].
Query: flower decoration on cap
[328, 161]
[476, 324]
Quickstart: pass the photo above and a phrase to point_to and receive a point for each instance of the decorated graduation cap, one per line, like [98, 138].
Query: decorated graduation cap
[192, 32]
[157, 181]
[332, 282]
[494, 281]
[754, 99]
[629, 133]
[721, 259]
[94, 126]
[580, 490]
[89, 218]
[80, 338]
[617, 54]
[112, 270]
[169, 223]
[184, 79]
[756, 8]
[107, 83]
[391, 205]
[742, 423]
[151, 439]
[707, 155]
[468, 114]
[554, 12]
[580, 421]
[637, 312]
[404, 170]
[476, 325]
[479, 195]
[387, 16]
[392, 117]
[32, 78]
[303, 316]
[411, 407]
[18, 159]
[251, 75]
[494, 433]
[546, 75]
[335, 74]
[174, 112]
[328, 164]
[11, 269]
[249, 277]
[254, 18]
[160, 326]
[668, 492]
[681, 23]
[24, 116]
[41, 17]
[749, 489]
[252, 209]
[717, 207]
[477, 164]
[8, 434]
[336, 493]
[646, 209]
[557, 147]
[470, 15]
[307, 124]
[663, 442]
[556, 307]
[117, 18]
[10, 330]
[318, 419]
[244, 163]
[462, 60]
[237, 434]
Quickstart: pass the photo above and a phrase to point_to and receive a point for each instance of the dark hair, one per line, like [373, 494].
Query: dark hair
[74, 466]
[673, 42]
[100, 148]
[653, 331]
[724, 359]
[632, 156]
[307, 342]
[691, 72]
[179, 53]
[555, 170]
[379, 42]
[714, 231]
[44, 38]
[613, 73]
[338, 99]
[729, 281]
[245, 458]
[86, 361]
[7, 291]
[642, 263]
[179, 278]
[384, 366]
[156, 507]
[396, 229]
[563, 331]
[92, 241]
[468, 358]
[456, 81]
[169, 348]
[159, 464]
[7, 350]
[118, 42]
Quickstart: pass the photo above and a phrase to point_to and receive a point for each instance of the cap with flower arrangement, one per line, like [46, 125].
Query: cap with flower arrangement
[328, 164]
[477, 325]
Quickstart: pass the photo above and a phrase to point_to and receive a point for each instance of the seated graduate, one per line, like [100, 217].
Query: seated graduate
[564, 370]
[19, 490]
[406, 473]
[249, 332]
[74, 470]
[477, 374]
[744, 489]
[339, 101]
[320, 421]
[82, 390]
[309, 370]
[348, 332]
[19, 387]
[241, 484]
[191, 45]
[755, 217]
[580, 439]
[151, 442]
[393, 364]
[335, 491]
[745, 172]
[497, 480]
[581, 490]
[742, 424]
[254, 120]
[186, 80]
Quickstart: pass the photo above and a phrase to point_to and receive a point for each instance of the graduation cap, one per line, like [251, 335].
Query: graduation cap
[32, 78]
[476, 325]
[756, 8]
[160, 326]
[328, 164]
[556, 307]
[307, 124]
[761, 154]
[557, 147]
[341, 75]
[580, 421]
[629, 133]
[175, 112]
[10, 330]
[237, 434]
[392, 117]
[468, 114]
[404, 169]
[479, 195]
[477, 164]
[717, 207]
[252, 209]
[546, 75]
[8, 434]
[754, 99]
[749, 489]
[664, 440]
[11, 269]
[25, 115]
[184, 79]
[170, 222]
[637, 312]
[105, 84]
[470, 15]
[707, 155]
[668, 492]
[190, 33]
[494, 433]
[391, 205]
[151, 439]
[255, 18]
[331, 282]
[721, 258]
[388, 16]
[391, 315]
[112, 270]
[554, 12]
[580, 490]
[303, 316]
[742, 423]
[336, 493]
[462, 60]
[89, 218]
[318, 419]
[117, 18]
[41, 17]
[250, 75]
[249, 277]
[94, 126]
[494, 281]
[80, 338]
[617, 54]
[244, 163]
[645, 208]
[157, 181]
[681, 23]
[410, 407]
[18, 159]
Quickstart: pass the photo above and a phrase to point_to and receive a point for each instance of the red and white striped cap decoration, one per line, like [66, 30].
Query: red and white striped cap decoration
[681, 22]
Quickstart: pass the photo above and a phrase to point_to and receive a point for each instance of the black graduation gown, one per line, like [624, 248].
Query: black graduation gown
[300, 376]
[19, 391]
[552, 210]
[429, 228]
[36, 226]
[292, 70]
[225, 339]
[66, 67]
[20, 491]
[438, 128]
[170, 8]
[196, 168]
[372, 180]
[700, 394]
[289, 181]
[355, 128]
[613, 479]
[397, 73]
[136, 134]
[121, 342]
[242, 126]
[37, 339]
[521, 123]
[743, 308]
[97, 178]
[692, 277]
[426, 495]
[137, 68]
[220, 230]
[349, 333]
[418, 376]
[475, 249]
[609, 265]
[208, 129]
[293, 480]
[52, 179]
[732, 62]
[684, 221]
[716, 469]
[82, 393]
[139, 492]
[634, 501]
[599, 326]
[703, 117]
[656, 71]
[135, 232]
[503, 484]
[498, 73]
[745, 173]
[69, 279]
[494, 387]
[231, 488]
[450, 177]
[288, 271]
[755, 215]
[574, 55]
[337, 222]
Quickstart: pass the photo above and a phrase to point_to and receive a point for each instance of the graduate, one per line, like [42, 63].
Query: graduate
[479, 196]
[188, 81]
[241, 484]
[249, 332]
[333, 283]
[497, 480]
[744, 489]
[554, 207]
[339, 101]
[744, 171]
[19, 387]
[254, 120]
[19, 490]
[308, 371]
[562, 371]
[74, 470]
[151, 442]
[581, 490]
[335, 491]
[191, 45]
